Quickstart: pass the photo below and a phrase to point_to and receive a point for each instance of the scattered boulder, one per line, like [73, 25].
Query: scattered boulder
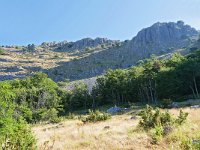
[133, 118]
[114, 110]
[168, 129]
[193, 103]
[196, 141]
[127, 109]
[175, 105]
[195, 106]
[106, 127]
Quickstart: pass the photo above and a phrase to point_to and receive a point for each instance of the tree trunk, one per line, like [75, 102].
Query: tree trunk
[155, 93]
[70, 103]
[122, 99]
[85, 101]
[93, 103]
[145, 89]
[194, 95]
[196, 89]
[141, 95]
[151, 93]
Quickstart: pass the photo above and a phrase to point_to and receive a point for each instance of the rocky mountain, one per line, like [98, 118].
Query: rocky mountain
[88, 57]
[162, 38]
[87, 43]
[80, 45]
[159, 39]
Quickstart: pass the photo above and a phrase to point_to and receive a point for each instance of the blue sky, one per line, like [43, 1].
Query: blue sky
[35, 21]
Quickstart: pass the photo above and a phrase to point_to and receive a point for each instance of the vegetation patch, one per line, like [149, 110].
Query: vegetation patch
[14, 131]
[2, 52]
[160, 123]
[95, 116]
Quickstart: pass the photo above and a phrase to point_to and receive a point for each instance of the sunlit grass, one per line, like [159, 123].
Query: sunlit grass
[117, 133]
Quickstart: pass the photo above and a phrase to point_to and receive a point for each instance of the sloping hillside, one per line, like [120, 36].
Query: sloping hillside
[88, 58]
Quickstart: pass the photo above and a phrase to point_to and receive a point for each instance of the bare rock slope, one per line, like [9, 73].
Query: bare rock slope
[88, 57]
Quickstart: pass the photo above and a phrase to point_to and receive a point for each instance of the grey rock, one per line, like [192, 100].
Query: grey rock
[193, 103]
[114, 110]
[85, 43]
[133, 118]
[195, 106]
[168, 129]
[162, 38]
[175, 105]
[106, 127]
[196, 142]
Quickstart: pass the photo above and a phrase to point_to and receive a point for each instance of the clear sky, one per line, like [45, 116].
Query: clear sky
[36, 21]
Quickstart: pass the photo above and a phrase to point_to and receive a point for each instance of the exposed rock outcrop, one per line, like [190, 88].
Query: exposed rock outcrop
[161, 38]
[96, 56]
[85, 43]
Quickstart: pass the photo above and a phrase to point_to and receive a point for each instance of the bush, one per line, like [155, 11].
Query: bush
[161, 123]
[50, 115]
[166, 103]
[186, 144]
[14, 131]
[157, 133]
[95, 116]
[181, 118]
[189, 144]
[62, 84]
[2, 52]
[150, 118]
[153, 117]
[71, 116]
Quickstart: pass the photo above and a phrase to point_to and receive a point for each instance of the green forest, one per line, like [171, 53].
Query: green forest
[38, 98]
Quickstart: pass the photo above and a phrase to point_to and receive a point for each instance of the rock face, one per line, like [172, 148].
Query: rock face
[161, 38]
[53, 44]
[96, 56]
[85, 43]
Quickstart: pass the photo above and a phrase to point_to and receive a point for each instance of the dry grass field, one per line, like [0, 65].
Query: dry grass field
[114, 134]
[44, 59]
[17, 63]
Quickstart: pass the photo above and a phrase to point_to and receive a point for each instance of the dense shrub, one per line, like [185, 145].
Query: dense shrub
[166, 103]
[150, 118]
[36, 97]
[71, 116]
[95, 116]
[157, 134]
[75, 99]
[162, 123]
[189, 144]
[14, 132]
[2, 52]
[50, 115]
[181, 118]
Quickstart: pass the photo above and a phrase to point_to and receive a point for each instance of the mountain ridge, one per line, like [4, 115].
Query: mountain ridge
[88, 57]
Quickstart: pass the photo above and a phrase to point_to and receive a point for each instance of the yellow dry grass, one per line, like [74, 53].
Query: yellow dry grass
[41, 59]
[114, 134]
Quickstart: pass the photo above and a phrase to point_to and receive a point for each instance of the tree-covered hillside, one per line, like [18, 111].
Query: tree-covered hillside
[38, 98]
[152, 81]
